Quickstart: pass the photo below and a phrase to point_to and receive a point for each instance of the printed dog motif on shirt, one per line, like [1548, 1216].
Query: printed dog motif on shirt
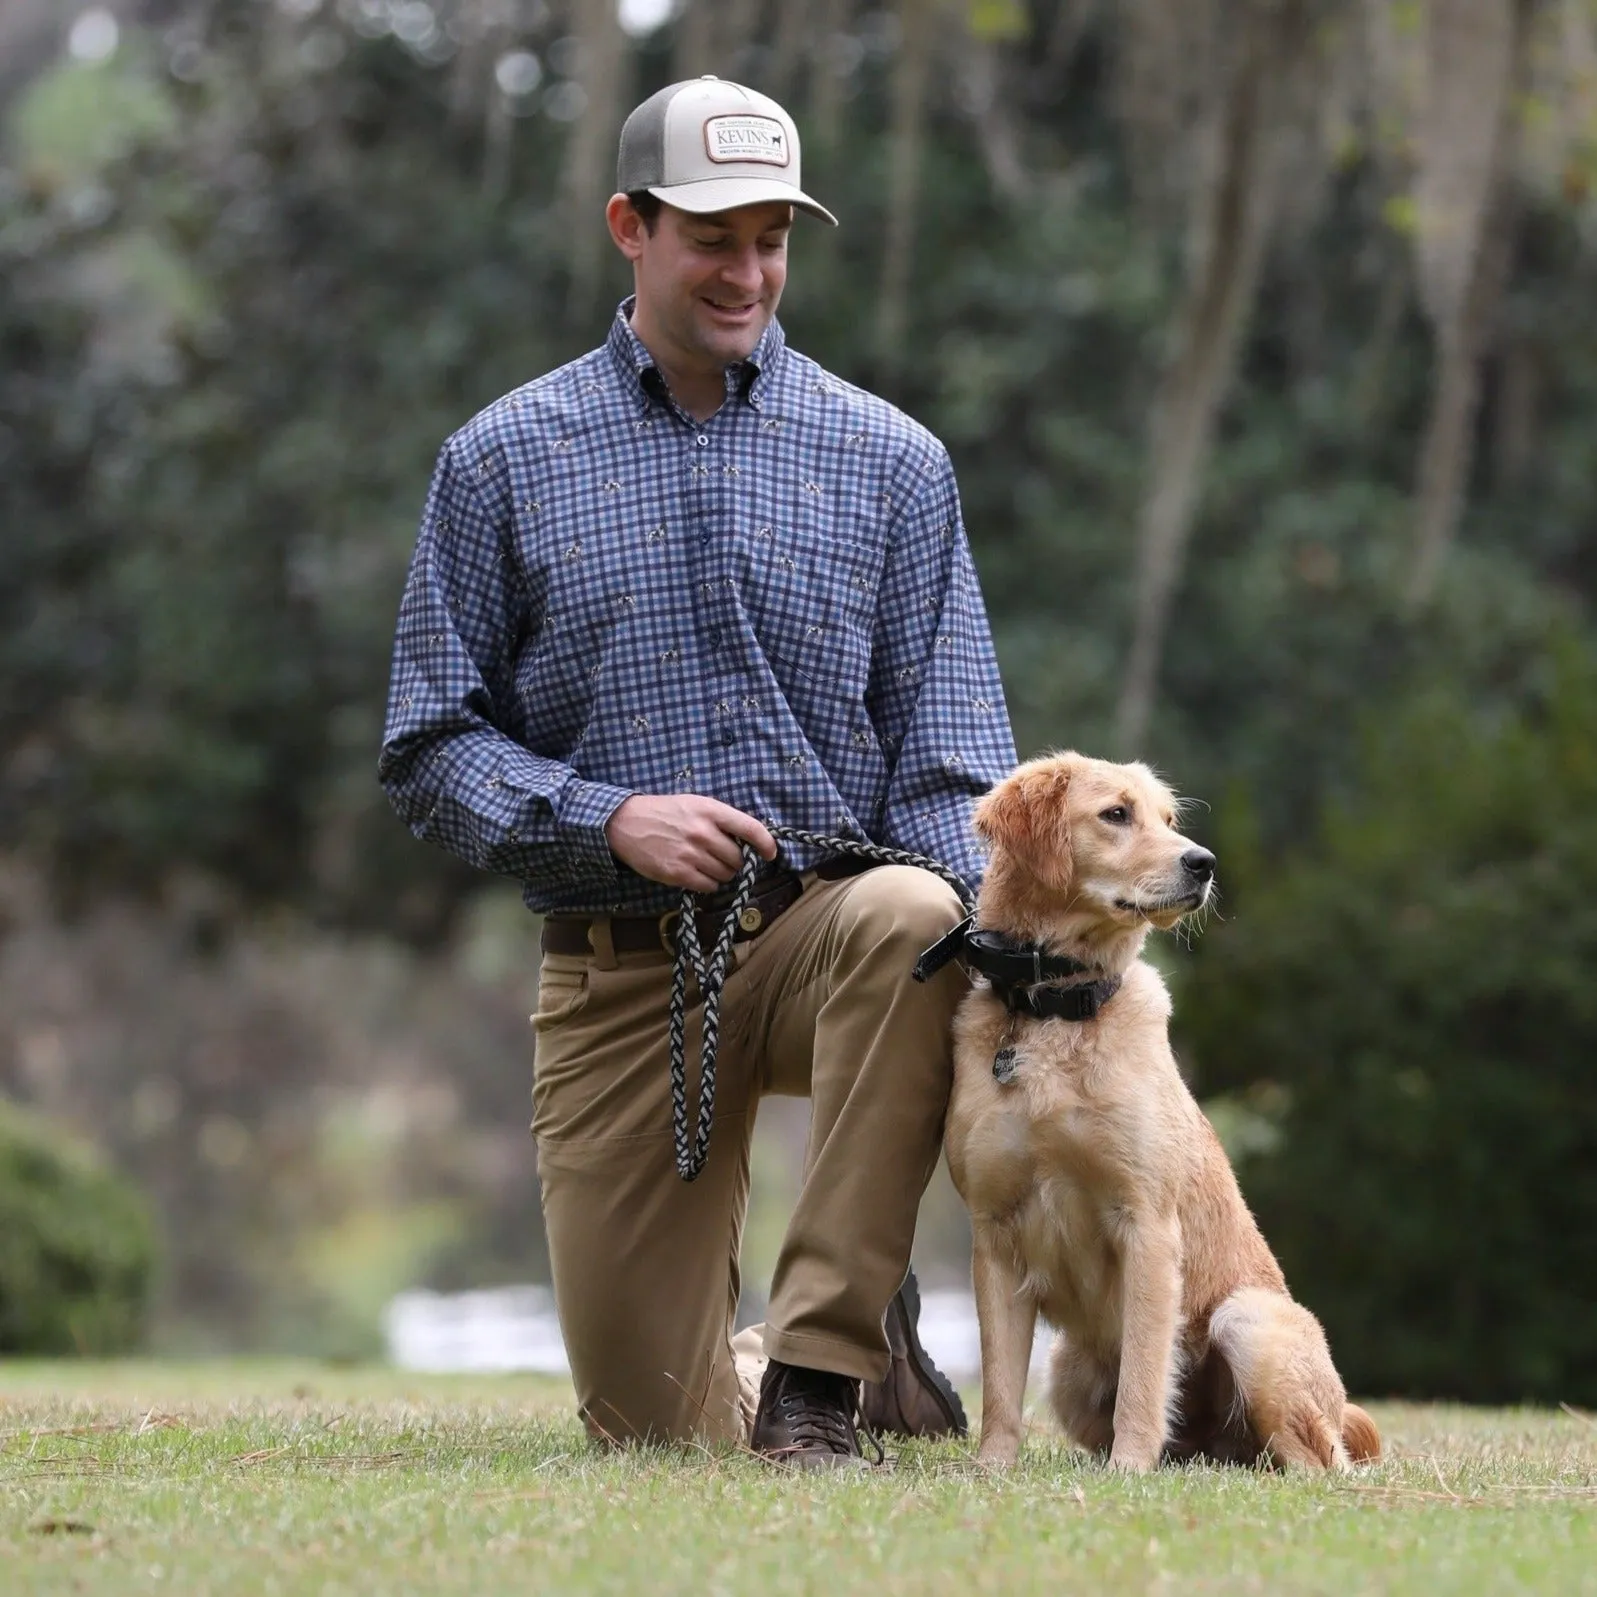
[747, 138]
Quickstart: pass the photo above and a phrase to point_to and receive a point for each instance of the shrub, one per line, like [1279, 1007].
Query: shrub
[1411, 1001]
[76, 1245]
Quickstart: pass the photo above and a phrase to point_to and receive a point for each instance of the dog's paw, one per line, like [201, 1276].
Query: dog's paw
[1129, 1461]
[991, 1456]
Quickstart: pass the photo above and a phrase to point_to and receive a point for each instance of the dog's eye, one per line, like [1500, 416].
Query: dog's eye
[1118, 816]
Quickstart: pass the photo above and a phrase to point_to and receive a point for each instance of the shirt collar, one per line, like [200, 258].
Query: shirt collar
[748, 379]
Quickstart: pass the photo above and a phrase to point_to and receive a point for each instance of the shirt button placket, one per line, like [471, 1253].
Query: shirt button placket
[709, 512]
[703, 442]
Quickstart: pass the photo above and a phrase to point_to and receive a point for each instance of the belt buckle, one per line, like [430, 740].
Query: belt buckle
[668, 930]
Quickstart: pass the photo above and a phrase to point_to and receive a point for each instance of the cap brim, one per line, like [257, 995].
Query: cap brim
[727, 193]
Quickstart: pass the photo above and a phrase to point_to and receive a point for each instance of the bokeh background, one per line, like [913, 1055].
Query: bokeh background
[1263, 334]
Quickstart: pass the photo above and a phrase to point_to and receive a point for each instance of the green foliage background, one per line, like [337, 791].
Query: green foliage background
[77, 1248]
[240, 309]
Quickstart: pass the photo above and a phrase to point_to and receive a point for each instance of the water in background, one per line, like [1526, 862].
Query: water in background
[515, 1328]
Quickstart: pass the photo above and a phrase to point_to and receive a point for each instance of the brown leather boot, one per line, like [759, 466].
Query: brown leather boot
[807, 1418]
[916, 1399]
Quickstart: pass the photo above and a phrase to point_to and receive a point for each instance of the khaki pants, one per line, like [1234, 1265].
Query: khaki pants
[646, 1265]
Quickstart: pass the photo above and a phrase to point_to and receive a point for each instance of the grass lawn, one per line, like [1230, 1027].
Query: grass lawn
[299, 1479]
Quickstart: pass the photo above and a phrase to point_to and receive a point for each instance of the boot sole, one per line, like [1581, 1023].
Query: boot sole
[921, 1360]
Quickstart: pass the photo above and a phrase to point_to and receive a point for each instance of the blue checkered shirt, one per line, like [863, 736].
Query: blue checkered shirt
[775, 607]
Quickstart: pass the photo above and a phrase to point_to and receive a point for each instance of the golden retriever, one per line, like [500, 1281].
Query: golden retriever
[1099, 1195]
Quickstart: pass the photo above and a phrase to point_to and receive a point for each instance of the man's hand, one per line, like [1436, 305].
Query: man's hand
[684, 839]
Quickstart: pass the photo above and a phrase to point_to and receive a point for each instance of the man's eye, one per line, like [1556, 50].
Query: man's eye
[1118, 816]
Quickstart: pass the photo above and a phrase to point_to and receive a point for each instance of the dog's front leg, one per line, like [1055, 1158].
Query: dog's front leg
[1007, 1317]
[1151, 1282]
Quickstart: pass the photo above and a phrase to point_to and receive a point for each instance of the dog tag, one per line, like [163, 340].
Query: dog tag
[1005, 1064]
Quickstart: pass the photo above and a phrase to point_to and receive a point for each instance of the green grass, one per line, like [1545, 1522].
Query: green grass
[301, 1479]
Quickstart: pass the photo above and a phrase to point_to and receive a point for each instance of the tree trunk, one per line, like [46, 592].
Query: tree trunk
[712, 35]
[1514, 436]
[826, 83]
[1448, 451]
[591, 151]
[986, 99]
[910, 72]
[694, 49]
[740, 22]
[1234, 202]
[795, 24]
[1071, 22]
[1476, 59]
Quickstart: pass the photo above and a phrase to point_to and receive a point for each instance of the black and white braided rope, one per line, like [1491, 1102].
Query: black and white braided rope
[711, 976]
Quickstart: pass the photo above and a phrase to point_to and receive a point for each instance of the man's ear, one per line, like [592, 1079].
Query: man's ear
[627, 228]
[1027, 816]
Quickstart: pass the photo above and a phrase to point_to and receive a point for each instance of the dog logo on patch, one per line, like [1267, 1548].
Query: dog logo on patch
[747, 138]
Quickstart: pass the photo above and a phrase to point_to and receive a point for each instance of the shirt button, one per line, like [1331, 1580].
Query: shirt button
[715, 637]
[729, 738]
[702, 441]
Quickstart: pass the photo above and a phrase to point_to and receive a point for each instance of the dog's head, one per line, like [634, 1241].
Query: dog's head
[1068, 833]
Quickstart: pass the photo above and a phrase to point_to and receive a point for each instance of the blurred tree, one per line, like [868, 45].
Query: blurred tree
[258, 262]
[1246, 73]
[276, 220]
[1405, 1013]
[77, 1251]
[1466, 224]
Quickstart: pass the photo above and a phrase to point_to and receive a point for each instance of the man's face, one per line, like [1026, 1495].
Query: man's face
[707, 286]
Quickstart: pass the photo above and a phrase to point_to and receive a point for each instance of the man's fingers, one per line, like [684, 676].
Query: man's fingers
[697, 882]
[719, 854]
[746, 827]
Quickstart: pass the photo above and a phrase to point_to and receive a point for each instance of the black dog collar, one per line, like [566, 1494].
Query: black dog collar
[1067, 1003]
[1020, 973]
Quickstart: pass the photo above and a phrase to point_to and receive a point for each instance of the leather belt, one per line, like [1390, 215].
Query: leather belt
[656, 934]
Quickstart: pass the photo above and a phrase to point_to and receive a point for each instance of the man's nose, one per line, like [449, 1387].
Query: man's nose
[743, 270]
[1198, 863]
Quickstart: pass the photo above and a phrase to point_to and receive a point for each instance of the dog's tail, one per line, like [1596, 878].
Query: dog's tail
[1359, 1435]
[1292, 1393]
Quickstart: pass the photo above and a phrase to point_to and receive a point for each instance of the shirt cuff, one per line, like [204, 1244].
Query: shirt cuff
[581, 813]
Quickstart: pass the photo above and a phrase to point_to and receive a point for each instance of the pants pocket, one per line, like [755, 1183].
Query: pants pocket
[562, 991]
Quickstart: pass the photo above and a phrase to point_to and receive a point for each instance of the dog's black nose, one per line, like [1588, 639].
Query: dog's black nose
[1198, 863]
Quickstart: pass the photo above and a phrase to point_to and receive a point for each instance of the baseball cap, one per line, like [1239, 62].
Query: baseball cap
[707, 145]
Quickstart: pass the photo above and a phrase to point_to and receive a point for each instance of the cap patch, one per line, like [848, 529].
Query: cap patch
[747, 138]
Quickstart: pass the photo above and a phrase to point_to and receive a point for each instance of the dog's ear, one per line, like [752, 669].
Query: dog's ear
[1027, 815]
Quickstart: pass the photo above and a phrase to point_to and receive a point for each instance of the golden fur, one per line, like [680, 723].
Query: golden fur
[1099, 1194]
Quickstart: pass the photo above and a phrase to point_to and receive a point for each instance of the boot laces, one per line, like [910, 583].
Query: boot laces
[822, 1410]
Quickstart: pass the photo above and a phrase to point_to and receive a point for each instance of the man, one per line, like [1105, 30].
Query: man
[683, 589]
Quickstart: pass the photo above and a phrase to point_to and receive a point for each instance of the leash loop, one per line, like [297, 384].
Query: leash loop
[711, 976]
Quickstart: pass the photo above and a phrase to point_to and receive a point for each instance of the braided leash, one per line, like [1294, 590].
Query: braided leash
[711, 975]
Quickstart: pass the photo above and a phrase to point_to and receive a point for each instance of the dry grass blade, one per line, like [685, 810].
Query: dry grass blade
[262, 1454]
[64, 1430]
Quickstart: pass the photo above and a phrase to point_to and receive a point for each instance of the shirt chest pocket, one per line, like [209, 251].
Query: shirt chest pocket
[812, 602]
